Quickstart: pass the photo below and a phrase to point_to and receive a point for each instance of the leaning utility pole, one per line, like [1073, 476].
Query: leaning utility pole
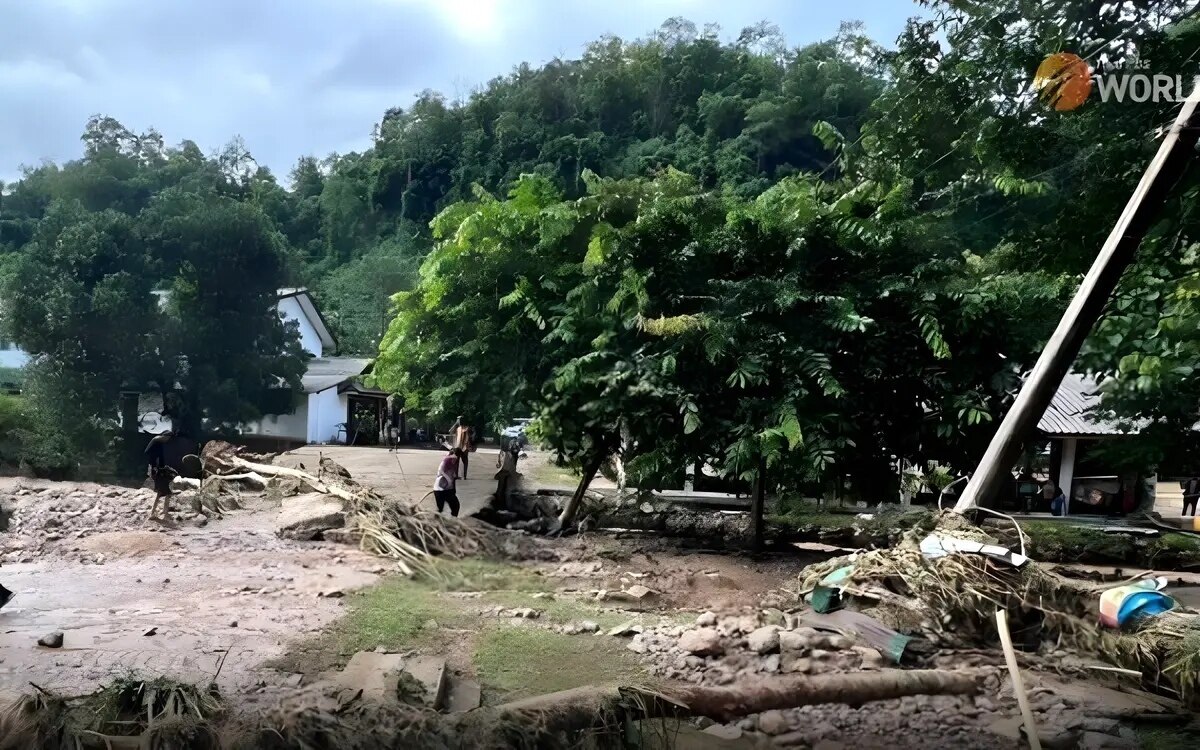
[1172, 160]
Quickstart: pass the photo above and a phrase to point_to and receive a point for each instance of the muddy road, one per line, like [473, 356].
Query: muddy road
[186, 601]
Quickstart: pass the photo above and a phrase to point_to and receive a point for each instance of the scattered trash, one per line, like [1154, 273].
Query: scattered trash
[1123, 605]
[888, 642]
[940, 545]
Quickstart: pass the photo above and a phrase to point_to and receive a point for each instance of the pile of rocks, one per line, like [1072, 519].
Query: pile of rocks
[723, 650]
[720, 650]
[40, 519]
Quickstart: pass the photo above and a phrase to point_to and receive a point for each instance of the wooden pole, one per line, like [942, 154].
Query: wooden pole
[1173, 157]
[1010, 657]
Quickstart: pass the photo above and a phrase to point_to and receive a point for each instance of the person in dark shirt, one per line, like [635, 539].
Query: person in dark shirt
[159, 472]
[1191, 493]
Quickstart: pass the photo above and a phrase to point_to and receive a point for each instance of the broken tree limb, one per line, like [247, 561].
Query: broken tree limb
[587, 707]
[283, 471]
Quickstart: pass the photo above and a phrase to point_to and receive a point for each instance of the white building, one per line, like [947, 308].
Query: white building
[331, 393]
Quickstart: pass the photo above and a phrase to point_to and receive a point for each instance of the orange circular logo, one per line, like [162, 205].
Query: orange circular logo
[1063, 81]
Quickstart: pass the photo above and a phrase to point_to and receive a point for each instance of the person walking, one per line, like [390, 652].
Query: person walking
[1191, 493]
[463, 441]
[444, 491]
[159, 472]
[506, 474]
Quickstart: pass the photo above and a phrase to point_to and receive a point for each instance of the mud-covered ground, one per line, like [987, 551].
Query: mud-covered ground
[226, 598]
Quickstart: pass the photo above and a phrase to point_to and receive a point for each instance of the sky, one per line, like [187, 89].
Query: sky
[300, 77]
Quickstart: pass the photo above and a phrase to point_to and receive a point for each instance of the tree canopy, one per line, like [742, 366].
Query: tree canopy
[808, 261]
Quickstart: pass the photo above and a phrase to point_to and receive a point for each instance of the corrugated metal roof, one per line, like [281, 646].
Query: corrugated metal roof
[332, 371]
[1069, 412]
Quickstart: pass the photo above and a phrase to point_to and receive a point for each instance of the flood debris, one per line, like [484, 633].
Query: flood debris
[951, 599]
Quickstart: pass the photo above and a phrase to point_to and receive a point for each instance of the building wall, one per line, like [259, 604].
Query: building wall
[290, 309]
[327, 410]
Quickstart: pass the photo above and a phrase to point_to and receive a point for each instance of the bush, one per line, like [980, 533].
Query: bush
[25, 437]
[14, 421]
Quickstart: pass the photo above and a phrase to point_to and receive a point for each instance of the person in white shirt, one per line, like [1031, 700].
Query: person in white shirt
[444, 484]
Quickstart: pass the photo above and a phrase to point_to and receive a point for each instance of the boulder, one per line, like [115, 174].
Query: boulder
[51, 640]
[793, 641]
[773, 722]
[702, 642]
[706, 620]
[763, 640]
[307, 517]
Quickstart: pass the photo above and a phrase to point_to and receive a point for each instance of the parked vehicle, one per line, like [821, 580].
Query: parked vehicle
[516, 431]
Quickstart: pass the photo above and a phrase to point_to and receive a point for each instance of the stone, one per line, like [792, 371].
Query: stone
[587, 626]
[801, 665]
[706, 620]
[702, 642]
[724, 731]
[1099, 741]
[52, 640]
[871, 658]
[626, 629]
[793, 641]
[773, 722]
[829, 745]
[771, 664]
[1100, 724]
[763, 640]
[772, 616]
[637, 645]
[307, 517]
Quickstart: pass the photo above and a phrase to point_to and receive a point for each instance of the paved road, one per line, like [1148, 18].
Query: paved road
[407, 473]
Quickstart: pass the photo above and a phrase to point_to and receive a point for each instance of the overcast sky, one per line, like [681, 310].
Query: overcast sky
[296, 77]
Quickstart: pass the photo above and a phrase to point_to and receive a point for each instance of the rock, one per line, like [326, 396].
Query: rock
[801, 665]
[150, 632]
[587, 626]
[829, 745]
[637, 645]
[772, 616]
[771, 664]
[773, 722]
[724, 731]
[52, 640]
[306, 517]
[763, 640]
[706, 620]
[1100, 724]
[233, 624]
[637, 592]
[626, 629]
[871, 659]
[430, 624]
[793, 641]
[702, 642]
[1099, 741]
[1053, 738]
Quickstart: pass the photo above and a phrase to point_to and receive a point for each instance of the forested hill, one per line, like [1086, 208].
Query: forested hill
[734, 112]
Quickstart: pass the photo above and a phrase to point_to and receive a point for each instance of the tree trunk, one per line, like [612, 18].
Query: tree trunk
[588, 707]
[757, 504]
[571, 509]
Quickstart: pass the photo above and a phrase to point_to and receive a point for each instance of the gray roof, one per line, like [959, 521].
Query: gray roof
[1069, 412]
[330, 372]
